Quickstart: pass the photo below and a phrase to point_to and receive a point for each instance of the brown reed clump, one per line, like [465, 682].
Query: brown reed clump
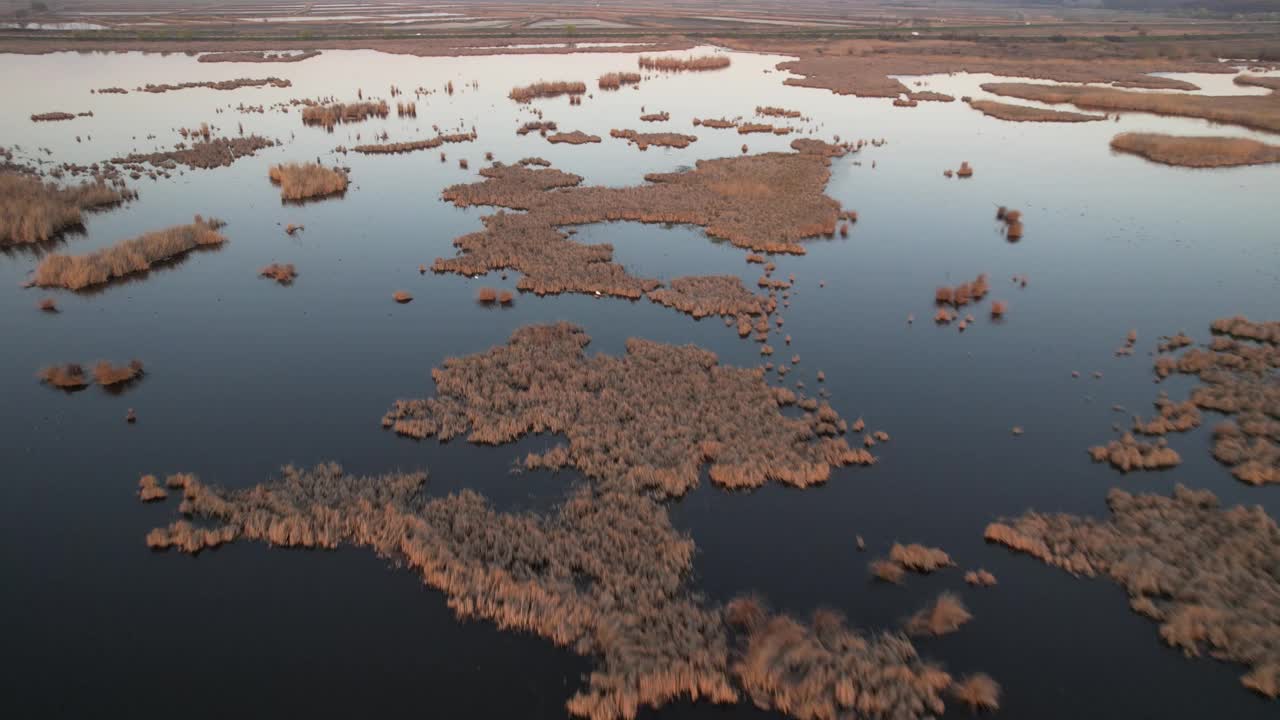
[1206, 574]
[283, 273]
[401, 297]
[714, 123]
[487, 296]
[766, 203]
[542, 89]
[112, 91]
[304, 181]
[1198, 152]
[980, 578]
[66, 377]
[407, 109]
[1128, 454]
[737, 425]
[704, 295]
[201, 155]
[890, 572]
[999, 308]
[149, 489]
[539, 126]
[1260, 112]
[919, 558]
[656, 117]
[1173, 417]
[615, 80]
[48, 305]
[328, 116]
[964, 293]
[76, 272]
[676, 64]
[965, 170]
[217, 85]
[905, 102]
[413, 145]
[32, 211]
[462, 163]
[505, 297]
[1026, 113]
[748, 128]
[256, 57]
[663, 139]
[977, 691]
[577, 137]
[52, 116]
[108, 375]
[944, 616]
[771, 111]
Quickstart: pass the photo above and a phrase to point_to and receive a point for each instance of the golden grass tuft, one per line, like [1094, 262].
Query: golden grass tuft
[327, 116]
[978, 691]
[919, 558]
[690, 63]
[615, 80]
[302, 181]
[75, 272]
[107, 374]
[150, 490]
[1196, 152]
[890, 572]
[66, 377]
[965, 170]
[943, 617]
[543, 88]
[980, 578]
[32, 211]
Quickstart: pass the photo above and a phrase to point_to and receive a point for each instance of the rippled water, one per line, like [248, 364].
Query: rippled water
[244, 375]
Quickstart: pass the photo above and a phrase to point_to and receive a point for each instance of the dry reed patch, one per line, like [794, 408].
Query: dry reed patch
[544, 89]
[663, 139]
[204, 154]
[705, 295]
[218, 85]
[615, 80]
[486, 296]
[303, 181]
[149, 489]
[52, 116]
[1129, 454]
[766, 203]
[76, 272]
[1261, 112]
[1273, 83]
[108, 375]
[748, 128]
[401, 297]
[943, 617]
[980, 578]
[538, 126]
[1026, 113]
[964, 293]
[1204, 573]
[577, 137]
[656, 117]
[890, 572]
[771, 111]
[1197, 152]
[714, 123]
[999, 308]
[283, 273]
[978, 691]
[327, 116]
[414, 145]
[256, 57]
[929, 96]
[704, 413]
[919, 558]
[65, 377]
[689, 63]
[32, 211]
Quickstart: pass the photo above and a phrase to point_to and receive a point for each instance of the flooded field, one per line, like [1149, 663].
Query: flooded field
[333, 292]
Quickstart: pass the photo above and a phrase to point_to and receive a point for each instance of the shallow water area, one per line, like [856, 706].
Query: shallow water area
[243, 375]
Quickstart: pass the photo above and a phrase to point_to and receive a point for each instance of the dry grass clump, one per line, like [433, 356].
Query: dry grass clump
[771, 111]
[67, 377]
[748, 128]
[505, 297]
[905, 102]
[1198, 152]
[256, 57]
[32, 211]
[401, 297]
[1261, 112]
[1026, 113]
[726, 417]
[328, 116]
[544, 88]
[615, 80]
[980, 578]
[964, 293]
[149, 489]
[411, 146]
[112, 91]
[577, 137]
[540, 162]
[107, 374]
[407, 109]
[943, 617]
[218, 85]
[676, 64]
[539, 126]
[487, 296]
[1128, 453]
[52, 116]
[920, 558]
[766, 203]
[999, 308]
[965, 170]
[1173, 417]
[656, 117]
[715, 123]
[644, 140]
[1206, 574]
[890, 572]
[75, 272]
[704, 295]
[977, 691]
[1241, 328]
[302, 181]
[283, 273]
[204, 154]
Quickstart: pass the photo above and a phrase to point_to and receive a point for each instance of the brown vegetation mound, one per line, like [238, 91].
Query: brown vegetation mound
[705, 295]
[404, 147]
[546, 89]
[542, 382]
[719, 124]
[32, 211]
[771, 111]
[257, 57]
[1128, 454]
[944, 616]
[1207, 575]
[577, 137]
[536, 126]
[218, 85]
[1026, 113]
[302, 181]
[328, 116]
[107, 374]
[664, 139]
[52, 116]
[202, 155]
[283, 273]
[919, 558]
[1198, 152]
[615, 80]
[676, 64]
[978, 691]
[130, 256]
[964, 293]
[67, 377]
[766, 203]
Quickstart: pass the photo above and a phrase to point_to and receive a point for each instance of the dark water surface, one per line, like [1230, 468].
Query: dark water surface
[244, 375]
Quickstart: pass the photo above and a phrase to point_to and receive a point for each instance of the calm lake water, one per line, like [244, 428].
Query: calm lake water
[244, 375]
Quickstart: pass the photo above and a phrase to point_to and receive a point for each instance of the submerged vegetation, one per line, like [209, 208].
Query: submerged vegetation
[32, 211]
[76, 272]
